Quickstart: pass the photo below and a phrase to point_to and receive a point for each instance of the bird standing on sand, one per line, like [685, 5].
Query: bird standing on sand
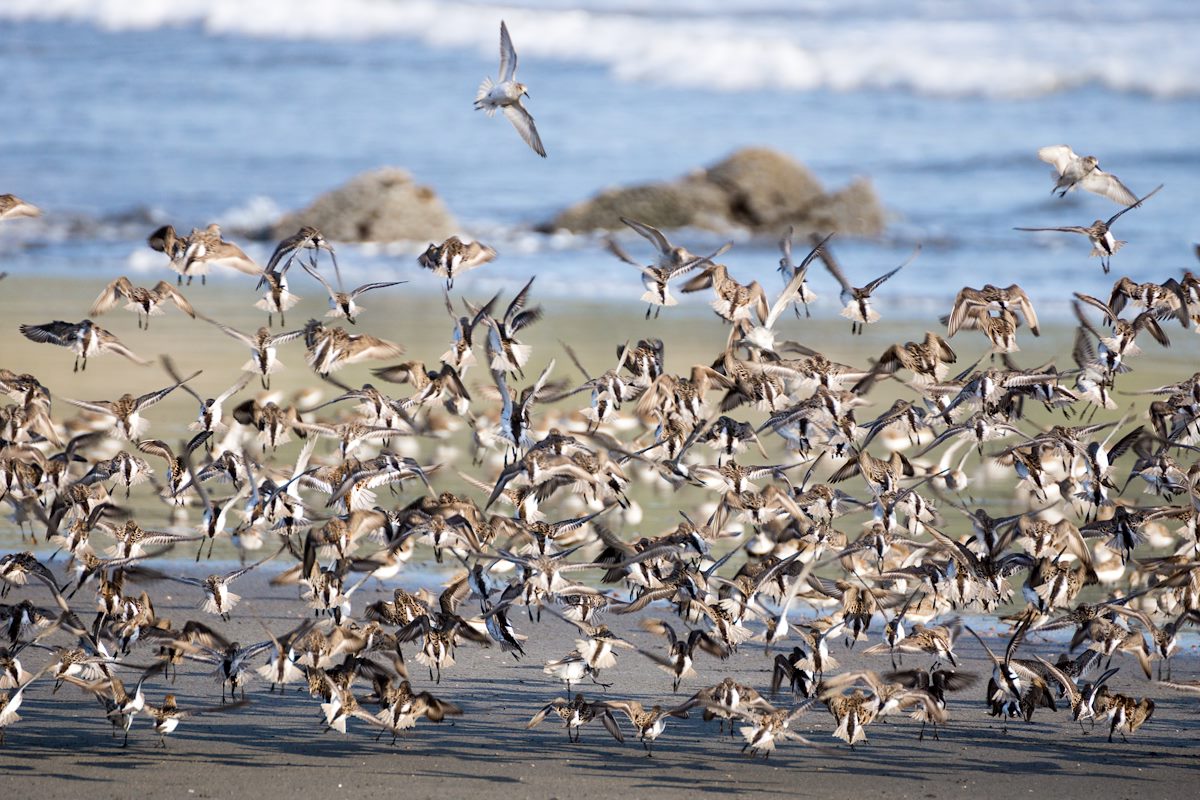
[505, 94]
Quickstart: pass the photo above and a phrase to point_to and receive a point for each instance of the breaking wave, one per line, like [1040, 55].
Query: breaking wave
[992, 48]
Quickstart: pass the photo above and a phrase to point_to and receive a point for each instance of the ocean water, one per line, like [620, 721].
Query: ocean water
[123, 115]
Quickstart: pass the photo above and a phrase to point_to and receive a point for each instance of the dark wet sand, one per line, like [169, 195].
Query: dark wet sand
[275, 746]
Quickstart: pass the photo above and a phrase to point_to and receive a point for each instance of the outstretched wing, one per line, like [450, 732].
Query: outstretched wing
[508, 56]
[57, 332]
[1107, 185]
[522, 120]
[1057, 155]
[652, 234]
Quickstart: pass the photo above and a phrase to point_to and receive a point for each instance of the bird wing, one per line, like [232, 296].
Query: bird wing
[162, 238]
[277, 339]
[518, 303]
[1063, 229]
[1103, 183]
[157, 447]
[1109, 315]
[150, 398]
[692, 264]
[320, 278]
[529, 399]
[95, 406]
[785, 248]
[366, 287]
[112, 343]
[111, 295]
[875, 284]
[366, 347]
[834, 268]
[1057, 155]
[1131, 206]
[800, 271]
[1068, 685]
[232, 390]
[164, 290]
[57, 332]
[652, 234]
[287, 247]
[476, 255]
[228, 331]
[522, 120]
[1026, 307]
[508, 55]
[614, 247]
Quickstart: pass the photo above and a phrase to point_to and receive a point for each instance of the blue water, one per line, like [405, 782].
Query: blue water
[121, 116]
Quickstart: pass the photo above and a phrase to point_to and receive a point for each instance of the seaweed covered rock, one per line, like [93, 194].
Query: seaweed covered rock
[384, 205]
[755, 188]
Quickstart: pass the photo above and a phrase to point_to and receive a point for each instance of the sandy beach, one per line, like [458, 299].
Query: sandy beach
[275, 745]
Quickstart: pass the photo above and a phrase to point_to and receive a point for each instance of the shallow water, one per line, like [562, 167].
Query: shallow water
[135, 114]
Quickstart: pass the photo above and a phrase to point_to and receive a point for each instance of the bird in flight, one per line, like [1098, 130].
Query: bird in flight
[505, 94]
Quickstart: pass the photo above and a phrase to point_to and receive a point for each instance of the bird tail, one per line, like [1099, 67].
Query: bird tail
[485, 89]
[653, 297]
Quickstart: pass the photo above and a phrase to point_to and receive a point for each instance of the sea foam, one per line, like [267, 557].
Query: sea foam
[988, 48]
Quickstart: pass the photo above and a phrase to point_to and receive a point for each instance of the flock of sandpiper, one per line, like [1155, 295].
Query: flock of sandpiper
[852, 524]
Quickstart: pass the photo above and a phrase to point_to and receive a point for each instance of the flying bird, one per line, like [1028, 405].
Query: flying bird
[85, 338]
[1071, 171]
[505, 94]
[1099, 233]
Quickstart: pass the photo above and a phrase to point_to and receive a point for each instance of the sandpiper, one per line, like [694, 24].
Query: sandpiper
[1099, 233]
[145, 303]
[126, 410]
[1071, 171]
[86, 339]
[206, 248]
[331, 349]
[168, 715]
[505, 94]
[649, 722]
[670, 262]
[308, 239]
[263, 346]
[13, 207]
[453, 257]
[10, 702]
[342, 304]
[857, 300]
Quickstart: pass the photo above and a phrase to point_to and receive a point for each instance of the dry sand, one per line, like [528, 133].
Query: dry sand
[275, 746]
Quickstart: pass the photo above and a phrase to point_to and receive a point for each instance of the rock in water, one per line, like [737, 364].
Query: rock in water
[755, 188]
[663, 205]
[383, 205]
[764, 188]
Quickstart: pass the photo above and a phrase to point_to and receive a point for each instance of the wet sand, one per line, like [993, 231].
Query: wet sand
[275, 746]
[418, 320]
